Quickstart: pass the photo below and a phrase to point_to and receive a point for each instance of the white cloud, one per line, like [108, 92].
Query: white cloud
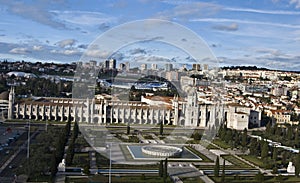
[189, 10]
[84, 17]
[296, 2]
[36, 12]
[231, 27]
[96, 53]
[37, 48]
[67, 52]
[19, 50]
[273, 12]
[245, 22]
[66, 43]
[71, 52]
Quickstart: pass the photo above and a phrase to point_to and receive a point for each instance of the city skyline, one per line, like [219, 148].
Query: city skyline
[264, 34]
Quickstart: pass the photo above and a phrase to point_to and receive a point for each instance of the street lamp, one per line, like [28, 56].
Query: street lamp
[109, 175]
[28, 140]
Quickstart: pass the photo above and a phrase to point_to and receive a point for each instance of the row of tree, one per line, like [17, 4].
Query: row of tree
[58, 154]
[287, 135]
[269, 155]
[46, 152]
[163, 169]
[71, 148]
[233, 137]
[217, 169]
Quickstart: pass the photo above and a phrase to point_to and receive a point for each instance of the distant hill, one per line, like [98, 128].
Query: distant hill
[253, 68]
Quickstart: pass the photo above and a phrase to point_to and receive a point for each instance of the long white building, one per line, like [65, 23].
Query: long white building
[186, 111]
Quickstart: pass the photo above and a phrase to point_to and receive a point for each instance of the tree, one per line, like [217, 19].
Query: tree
[161, 168]
[253, 147]
[228, 136]
[280, 178]
[217, 167]
[259, 177]
[53, 166]
[197, 136]
[275, 169]
[128, 129]
[297, 145]
[166, 170]
[275, 153]
[244, 139]
[222, 132]
[70, 153]
[143, 177]
[264, 150]
[284, 159]
[236, 136]
[76, 129]
[161, 128]
[223, 172]
[268, 129]
[289, 133]
[297, 165]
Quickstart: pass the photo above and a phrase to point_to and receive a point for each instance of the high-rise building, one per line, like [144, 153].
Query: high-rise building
[172, 76]
[106, 64]
[205, 67]
[154, 66]
[169, 67]
[127, 66]
[122, 67]
[143, 67]
[112, 63]
[196, 67]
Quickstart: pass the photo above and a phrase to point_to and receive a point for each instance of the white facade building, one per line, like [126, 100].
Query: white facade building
[186, 111]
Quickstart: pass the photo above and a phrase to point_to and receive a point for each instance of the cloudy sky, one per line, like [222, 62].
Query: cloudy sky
[264, 33]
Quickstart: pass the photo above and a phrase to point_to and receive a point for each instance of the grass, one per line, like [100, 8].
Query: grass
[253, 159]
[251, 179]
[191, 180]
[149, 137]
[221, 143]
[81, 159]
[119, 179]
[236, 161]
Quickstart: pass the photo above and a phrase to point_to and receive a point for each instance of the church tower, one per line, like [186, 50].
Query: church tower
[11, 101]
[192, 109]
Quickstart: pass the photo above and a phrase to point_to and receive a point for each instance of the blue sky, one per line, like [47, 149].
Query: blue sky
[265, 33]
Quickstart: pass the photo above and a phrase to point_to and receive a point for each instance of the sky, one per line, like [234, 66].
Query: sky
[264, 33]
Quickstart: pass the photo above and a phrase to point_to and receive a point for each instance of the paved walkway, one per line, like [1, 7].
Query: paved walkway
[177, 170]
[208, 154]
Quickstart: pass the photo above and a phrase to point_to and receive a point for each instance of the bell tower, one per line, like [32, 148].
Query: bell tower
[11, 101]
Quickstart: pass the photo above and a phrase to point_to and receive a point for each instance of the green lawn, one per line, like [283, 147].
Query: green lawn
[191, 180]
[253, 159]
[251, 179]
[81, 159]
[236, 161]
[119, 179]
[221, 143]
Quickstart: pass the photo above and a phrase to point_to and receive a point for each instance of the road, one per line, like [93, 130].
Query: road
[7, 169]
